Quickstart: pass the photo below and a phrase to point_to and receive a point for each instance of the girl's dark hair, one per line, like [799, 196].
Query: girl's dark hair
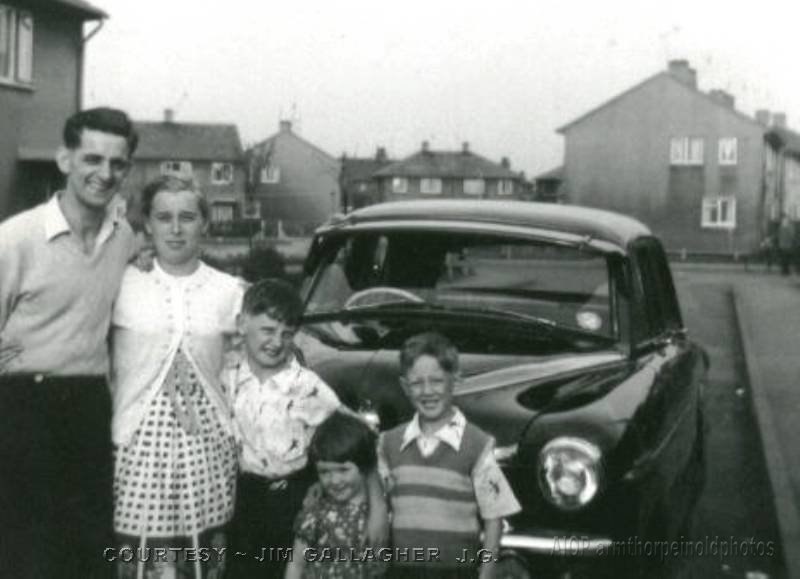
[344, 438]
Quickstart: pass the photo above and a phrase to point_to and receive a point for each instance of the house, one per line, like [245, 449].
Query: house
[548, 185]
[41, 75]
[781, 168]
[295, 182]
[211, 154]
[359, 187]
[684, 161]
[437, 174]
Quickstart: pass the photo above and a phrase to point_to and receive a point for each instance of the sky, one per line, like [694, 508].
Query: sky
[502, 75]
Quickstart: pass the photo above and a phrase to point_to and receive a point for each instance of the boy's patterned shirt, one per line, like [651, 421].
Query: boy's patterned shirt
[275, 420]
[492, 492]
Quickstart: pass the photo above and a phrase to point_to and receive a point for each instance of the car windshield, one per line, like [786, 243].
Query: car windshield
[440, 273]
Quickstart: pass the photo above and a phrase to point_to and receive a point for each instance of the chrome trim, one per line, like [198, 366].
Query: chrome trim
[566, 545]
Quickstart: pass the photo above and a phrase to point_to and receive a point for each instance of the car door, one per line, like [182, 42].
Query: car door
[667, 420]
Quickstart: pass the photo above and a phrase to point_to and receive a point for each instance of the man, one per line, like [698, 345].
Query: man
[60, 268]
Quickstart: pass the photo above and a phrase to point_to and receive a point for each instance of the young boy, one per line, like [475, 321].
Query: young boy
[446, 486]
[277, 405]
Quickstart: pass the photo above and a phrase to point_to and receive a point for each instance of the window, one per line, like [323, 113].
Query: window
[686, 151]
[719, 212]
[221, 212]
[270, 174]
[474, 186]
[16, 45]
[221, 173]
[430, 186]
[505, 187]
[177, 168]
[399, 185]
[728, 151]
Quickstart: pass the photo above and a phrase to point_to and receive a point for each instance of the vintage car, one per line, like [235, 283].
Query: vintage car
[573, 356]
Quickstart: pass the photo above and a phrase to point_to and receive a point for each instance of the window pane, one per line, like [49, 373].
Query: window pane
[474, 186]
[5, 42]
[25, 47]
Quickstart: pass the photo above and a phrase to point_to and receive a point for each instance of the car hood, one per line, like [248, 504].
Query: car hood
[500, 393]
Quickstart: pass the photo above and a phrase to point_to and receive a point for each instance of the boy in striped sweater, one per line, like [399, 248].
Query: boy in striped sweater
[445, 487]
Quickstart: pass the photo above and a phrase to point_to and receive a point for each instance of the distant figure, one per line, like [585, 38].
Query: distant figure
[785, 244]
[769, 250]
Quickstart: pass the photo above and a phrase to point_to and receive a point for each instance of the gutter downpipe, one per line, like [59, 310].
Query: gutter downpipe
[84, 41]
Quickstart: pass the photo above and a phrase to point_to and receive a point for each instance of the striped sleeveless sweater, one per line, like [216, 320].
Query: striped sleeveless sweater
[433, 500]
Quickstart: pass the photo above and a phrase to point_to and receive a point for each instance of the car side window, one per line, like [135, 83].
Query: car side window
[661, 310]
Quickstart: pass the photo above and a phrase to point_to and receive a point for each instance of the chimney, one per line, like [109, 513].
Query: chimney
[465, 147]
[722, 97]
[286, 126]
[380, 154]
[169, 115]
[681, 70]
[762, 117]
[425, 147]
[505, 162]
[779, 120]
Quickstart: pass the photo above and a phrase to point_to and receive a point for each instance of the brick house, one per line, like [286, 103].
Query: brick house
[41, 75]
[461, 174]
[684, 161]
[294, 181]
[209, 153]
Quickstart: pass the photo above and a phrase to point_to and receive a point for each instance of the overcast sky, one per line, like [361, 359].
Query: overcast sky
[357, 75]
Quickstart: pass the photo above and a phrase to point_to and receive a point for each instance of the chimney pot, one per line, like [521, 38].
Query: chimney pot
[505, 162]
[762, 117]
[681, 70]
[286, 126]
[465, 147]
[380, 154]
[425, 146]
[169, 115]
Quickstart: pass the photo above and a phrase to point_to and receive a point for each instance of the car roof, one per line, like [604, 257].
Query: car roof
[584, 221]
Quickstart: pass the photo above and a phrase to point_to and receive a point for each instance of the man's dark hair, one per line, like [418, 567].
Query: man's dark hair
[431, 344]
[103, 119]
[344, 438]
[276, 298]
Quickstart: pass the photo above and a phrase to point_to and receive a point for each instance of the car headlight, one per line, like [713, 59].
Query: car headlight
[570, 472]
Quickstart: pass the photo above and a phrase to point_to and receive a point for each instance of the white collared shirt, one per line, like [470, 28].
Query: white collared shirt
[55, 300]
[492, 492]
[275, 419]
[156, 314]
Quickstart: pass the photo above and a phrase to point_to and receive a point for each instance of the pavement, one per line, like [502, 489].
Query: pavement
[768, 311]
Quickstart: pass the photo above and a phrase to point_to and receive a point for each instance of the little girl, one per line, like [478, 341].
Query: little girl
[330, 532]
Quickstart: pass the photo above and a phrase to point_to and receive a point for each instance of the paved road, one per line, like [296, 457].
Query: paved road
[736, 507]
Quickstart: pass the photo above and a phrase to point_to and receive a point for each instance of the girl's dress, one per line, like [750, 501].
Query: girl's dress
[335, 534]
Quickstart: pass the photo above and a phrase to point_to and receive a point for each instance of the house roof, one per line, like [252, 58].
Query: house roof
[786, 138]
[188, 141]
[268, 143]
[84, 8]
[361, 169]
[459, 164]
[555, 174]
[663, 74]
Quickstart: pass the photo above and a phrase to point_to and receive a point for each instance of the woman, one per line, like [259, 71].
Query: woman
[175, 461]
